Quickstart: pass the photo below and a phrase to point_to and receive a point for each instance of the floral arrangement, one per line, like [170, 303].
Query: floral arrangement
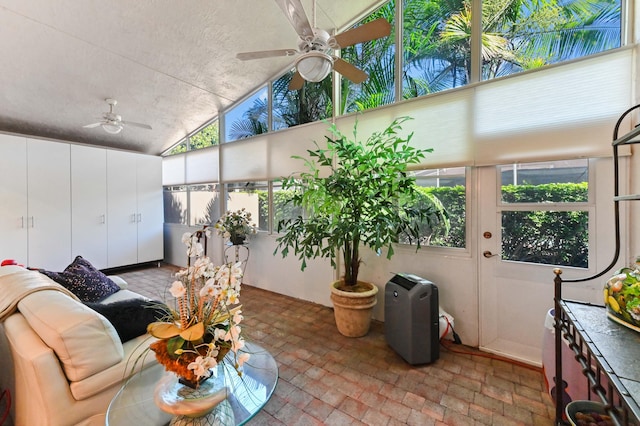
[204, 325]
[236, 225]
[622, 295]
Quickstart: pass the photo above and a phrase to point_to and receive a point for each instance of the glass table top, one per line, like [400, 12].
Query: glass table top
[134, 405]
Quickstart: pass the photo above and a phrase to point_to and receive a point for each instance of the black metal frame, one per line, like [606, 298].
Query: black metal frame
[565, 327]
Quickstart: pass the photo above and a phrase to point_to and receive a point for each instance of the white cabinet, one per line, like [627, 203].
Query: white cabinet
[134, 210]
[61, 200]
[89, 204]
[13, 193]
[49, 204]
[150, 215]
[35, 219]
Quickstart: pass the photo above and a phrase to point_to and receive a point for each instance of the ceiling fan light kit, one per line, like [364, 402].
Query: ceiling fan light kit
[112, 128]
[314, 66]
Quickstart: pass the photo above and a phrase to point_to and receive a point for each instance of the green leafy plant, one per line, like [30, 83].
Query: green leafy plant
[355, 194]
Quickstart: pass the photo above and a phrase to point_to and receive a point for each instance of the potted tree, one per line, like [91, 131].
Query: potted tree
[355, 194]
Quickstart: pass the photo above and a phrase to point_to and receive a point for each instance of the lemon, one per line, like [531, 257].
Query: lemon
[613, 304]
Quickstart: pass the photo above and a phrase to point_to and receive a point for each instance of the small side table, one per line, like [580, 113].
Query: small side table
[133, 404]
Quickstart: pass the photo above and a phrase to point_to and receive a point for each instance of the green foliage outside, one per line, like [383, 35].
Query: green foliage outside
[546, 237]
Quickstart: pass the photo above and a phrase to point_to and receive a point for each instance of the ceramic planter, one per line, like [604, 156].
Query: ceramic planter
[353, 310]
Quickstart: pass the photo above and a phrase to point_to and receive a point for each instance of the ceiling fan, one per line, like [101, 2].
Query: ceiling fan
[314, 55]
[112, 122]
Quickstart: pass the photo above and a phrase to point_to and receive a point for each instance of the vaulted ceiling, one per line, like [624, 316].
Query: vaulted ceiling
[169, 64]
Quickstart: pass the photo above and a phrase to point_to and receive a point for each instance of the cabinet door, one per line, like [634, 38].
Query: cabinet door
[89, 204]
[150, 216]
[13, 193]
[49, 204]
[122, 237]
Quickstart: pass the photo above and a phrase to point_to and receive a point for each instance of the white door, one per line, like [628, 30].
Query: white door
[13, 193]
[89, 204]
[150, 212]
[49, 204]
[515, 296]
[121, 209]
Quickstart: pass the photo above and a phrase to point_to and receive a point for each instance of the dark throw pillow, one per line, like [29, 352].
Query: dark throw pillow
[130, 317]
[84, 280]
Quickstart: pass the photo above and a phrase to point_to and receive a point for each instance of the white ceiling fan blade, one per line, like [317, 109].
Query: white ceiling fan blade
[265, 54]
[294, 12]
[131, 123]
[91, 126]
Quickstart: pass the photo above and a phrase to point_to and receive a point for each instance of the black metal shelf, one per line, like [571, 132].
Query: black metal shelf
[606, 351]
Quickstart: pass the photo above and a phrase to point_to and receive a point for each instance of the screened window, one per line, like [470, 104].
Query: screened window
[545, 213]
[252, 196]
[175, 204]
[524, 35]
[208, 136]
[443, 191]
[179, 148]
[293, 107]
[249, 118]
[283, 209]
[204, 204]
[377, 58]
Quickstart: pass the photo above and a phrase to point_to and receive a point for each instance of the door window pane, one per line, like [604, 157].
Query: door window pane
[545, 212]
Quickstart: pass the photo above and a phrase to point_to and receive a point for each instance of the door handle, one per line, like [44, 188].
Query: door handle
[488, 254]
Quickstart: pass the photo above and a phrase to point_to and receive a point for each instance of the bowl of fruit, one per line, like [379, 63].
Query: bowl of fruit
[587, 413]
[622, 296]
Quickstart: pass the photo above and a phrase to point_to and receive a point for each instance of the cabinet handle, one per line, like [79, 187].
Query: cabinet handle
[103, 219]
[21, 221]
[33, 225]
[139, 217]
[133, 218]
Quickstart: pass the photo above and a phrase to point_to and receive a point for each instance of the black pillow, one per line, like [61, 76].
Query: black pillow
[84, 280]
[130, 317]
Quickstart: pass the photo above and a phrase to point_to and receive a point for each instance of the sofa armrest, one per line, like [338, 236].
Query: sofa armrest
[42, 395]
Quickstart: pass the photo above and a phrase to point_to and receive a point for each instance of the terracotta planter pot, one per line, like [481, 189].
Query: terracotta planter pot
[352, 310]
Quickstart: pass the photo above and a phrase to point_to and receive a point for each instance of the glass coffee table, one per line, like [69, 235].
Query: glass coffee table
[134, 405]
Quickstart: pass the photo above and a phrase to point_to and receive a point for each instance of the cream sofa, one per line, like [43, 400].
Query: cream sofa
[62, 361]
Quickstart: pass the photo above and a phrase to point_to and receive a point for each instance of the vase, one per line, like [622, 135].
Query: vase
[204, 405]
[237, 240]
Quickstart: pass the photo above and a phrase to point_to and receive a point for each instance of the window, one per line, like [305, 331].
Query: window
[248, 118]
[175, 204]
[191, 205]
[293, 107]
[444, 189]
[204, 204]
[530, 34]
[377, 58]
[208, 136]
[252, 196]
[179, 148]
[282, 208]
[545, 213]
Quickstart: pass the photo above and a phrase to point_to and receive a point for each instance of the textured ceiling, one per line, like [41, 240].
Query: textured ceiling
[170, 64]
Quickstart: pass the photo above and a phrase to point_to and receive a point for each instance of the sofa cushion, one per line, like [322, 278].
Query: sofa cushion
[130, 317]
[84, 280]
[84, 341]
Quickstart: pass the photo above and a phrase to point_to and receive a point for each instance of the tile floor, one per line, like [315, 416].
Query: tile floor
[325, 378]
